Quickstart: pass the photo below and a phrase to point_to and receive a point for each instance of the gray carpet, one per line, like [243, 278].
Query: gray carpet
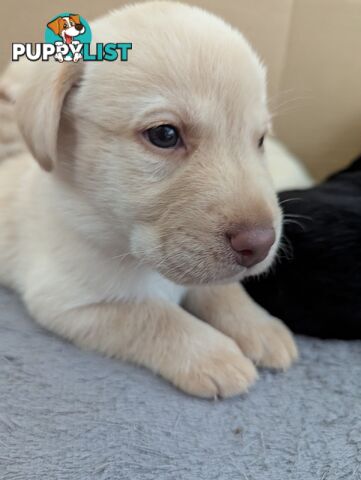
[72, 415]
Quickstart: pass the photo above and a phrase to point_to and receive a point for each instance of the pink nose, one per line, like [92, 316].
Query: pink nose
[252, 245]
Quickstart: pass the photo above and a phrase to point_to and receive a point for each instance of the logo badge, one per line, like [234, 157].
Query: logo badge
[68, 39]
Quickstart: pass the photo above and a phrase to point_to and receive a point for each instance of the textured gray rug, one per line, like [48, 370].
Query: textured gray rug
[67, 414]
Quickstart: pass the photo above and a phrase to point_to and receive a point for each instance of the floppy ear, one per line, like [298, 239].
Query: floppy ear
[55, 25]
[75, 18]
[39, 106]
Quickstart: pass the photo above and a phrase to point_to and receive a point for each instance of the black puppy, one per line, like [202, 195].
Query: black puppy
[316, 287]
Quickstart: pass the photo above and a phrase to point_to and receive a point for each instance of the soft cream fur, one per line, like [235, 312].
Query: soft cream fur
[106, 236]
[286, 170]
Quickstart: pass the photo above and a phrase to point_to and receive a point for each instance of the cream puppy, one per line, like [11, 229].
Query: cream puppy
[146, 198]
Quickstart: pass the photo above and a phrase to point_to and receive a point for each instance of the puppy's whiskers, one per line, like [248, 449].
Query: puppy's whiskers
[296, 215]
[279, 106]
[286, 200]
[293, 218]
[285, 249]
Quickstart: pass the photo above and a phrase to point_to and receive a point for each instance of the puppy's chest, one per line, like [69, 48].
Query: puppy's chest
[136, 283]
[156, 286]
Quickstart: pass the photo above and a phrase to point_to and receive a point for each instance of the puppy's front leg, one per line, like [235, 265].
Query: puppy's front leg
[163, 337]
[263, 338]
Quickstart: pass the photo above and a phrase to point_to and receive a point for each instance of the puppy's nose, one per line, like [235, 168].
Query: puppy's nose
[79, 27]
[252, 245]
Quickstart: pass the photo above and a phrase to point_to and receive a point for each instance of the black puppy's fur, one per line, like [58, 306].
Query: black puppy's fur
[317, 289]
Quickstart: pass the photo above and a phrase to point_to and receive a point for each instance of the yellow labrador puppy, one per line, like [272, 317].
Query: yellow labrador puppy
[145, 199]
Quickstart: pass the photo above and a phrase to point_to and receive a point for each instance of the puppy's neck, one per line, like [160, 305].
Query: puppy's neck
[70, 207]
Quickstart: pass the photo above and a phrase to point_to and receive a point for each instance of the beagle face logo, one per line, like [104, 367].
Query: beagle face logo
[70, 31]
[68, 39]
[67, 27]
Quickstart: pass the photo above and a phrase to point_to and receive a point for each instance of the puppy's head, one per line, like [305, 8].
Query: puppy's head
[167, 148]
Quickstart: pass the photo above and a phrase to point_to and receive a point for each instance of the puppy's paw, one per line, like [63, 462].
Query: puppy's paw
[221, 371]
[261, 337]
[267, 341]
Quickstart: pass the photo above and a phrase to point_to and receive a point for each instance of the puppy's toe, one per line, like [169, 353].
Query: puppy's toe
[222, 372]
[267, 341]
[280, 349]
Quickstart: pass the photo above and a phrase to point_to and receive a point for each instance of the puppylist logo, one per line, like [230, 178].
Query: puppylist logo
[68, 39]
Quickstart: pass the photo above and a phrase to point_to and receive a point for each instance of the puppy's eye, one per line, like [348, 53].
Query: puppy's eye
[261, 141]
[163, 136]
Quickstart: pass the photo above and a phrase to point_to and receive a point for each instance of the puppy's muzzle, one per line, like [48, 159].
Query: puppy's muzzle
[251, 245]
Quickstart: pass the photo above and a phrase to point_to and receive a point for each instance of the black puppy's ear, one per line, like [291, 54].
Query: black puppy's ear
[355, 166]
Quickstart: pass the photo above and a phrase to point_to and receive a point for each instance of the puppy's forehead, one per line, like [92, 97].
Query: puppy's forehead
[181, 53]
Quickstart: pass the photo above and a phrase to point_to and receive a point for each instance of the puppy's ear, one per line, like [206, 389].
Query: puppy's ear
[75, 18]
[55, 25]
[39, 106]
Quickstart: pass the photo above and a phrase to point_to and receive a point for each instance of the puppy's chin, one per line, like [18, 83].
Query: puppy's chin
[188, 274]
[187, 267]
